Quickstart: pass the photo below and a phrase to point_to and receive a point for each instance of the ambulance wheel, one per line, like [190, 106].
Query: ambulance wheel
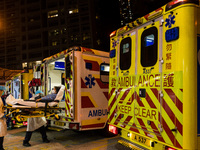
[57, 117]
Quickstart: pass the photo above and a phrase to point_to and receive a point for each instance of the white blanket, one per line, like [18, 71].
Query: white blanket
[20, 103]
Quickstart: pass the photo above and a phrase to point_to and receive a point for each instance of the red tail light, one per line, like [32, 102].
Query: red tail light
[169, 148]
[25, 123]
[113, 129]
[74, 126]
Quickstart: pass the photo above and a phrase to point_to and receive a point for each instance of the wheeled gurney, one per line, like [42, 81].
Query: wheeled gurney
[20, 108]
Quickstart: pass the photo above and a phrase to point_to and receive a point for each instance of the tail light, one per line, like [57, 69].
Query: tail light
[74, 126]
[113, 129]
[169, 148]
[25, 123]
[13, 121]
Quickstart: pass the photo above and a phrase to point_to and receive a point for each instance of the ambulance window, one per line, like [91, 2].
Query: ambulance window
[104, 72]
[125, 53]
[149, 47]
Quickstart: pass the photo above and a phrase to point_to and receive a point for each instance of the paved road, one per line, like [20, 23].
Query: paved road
[61, 140]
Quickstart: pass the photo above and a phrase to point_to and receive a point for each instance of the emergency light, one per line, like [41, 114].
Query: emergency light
[112, 53]
[176, 3]
[172, 34]
[59, 65]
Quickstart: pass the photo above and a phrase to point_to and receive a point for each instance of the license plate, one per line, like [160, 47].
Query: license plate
[59, 123]
[141, 139]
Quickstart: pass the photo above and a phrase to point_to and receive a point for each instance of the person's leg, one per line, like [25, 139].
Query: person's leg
[27, 138]
[44, 135]
[1, 143]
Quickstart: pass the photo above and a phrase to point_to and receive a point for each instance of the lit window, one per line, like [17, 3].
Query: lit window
[54, 43]
[149, 40]
[104, 72]
[73, 11]
[53, 14]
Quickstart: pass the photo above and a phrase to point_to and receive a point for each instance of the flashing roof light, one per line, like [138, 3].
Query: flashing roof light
[112, 53]
[176, 3]
[113, 34]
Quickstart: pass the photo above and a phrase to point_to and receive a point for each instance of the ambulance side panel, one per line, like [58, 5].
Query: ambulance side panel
[181, 97]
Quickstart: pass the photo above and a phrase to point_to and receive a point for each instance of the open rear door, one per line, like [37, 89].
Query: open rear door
[69, 85]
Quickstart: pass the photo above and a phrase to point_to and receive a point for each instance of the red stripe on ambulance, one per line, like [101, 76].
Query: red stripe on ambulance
[134, 128]
[150, 102]
[86, 102]
[93, 125]
[83, 84]
[138, 100]
[106, 95]
[175, 99]
[157, 133]
[101, 84]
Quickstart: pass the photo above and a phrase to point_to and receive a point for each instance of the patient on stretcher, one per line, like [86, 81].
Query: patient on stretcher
[51, 96]
[20, 103]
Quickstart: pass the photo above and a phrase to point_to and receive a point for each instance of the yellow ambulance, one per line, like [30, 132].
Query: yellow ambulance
[154, 81]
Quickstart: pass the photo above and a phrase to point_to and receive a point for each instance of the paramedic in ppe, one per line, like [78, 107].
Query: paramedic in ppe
[35, 123]
[3, 126]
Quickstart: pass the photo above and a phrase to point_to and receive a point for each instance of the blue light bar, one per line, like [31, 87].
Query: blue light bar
[59, 65]
[112, 53]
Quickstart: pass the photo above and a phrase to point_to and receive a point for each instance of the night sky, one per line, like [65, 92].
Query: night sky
[110, 20]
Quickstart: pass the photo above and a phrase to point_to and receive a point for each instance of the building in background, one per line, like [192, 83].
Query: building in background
[126, 11]
[31, 30]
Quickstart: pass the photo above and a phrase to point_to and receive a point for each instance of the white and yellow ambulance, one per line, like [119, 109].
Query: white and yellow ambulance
[154, 81]
[85, 74]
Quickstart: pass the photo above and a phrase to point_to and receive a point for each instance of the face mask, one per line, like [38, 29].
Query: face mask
[53, 92]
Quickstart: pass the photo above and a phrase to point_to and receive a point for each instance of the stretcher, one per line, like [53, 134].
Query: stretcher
[21, 109]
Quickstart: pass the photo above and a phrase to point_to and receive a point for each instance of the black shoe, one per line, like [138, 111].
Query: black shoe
[27, 144]
[46, 141]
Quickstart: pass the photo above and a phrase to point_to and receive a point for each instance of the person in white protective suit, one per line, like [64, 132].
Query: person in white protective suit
[32, 125]
[3, 126]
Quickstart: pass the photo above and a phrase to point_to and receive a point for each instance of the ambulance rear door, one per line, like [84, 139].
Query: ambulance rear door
[148, 96]
[124, 92]
[69, 85]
